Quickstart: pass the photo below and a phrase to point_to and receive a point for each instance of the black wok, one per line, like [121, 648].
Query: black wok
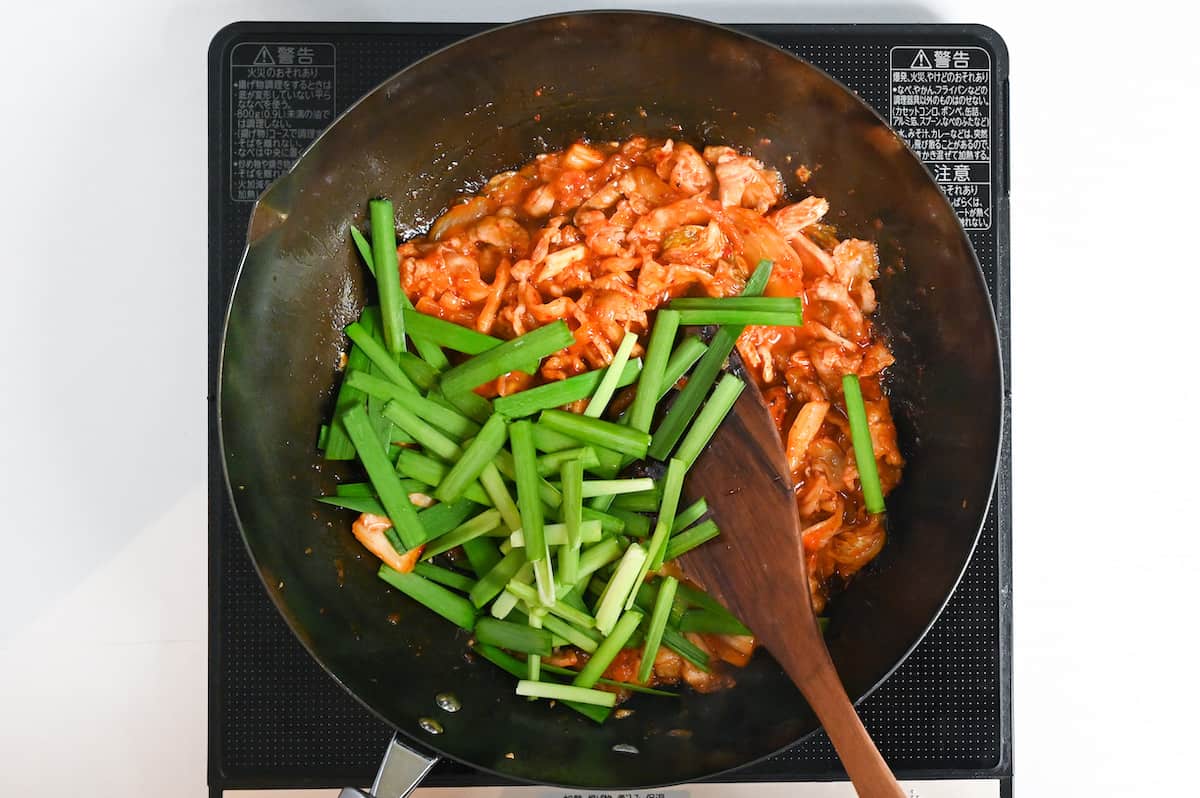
[487, 104]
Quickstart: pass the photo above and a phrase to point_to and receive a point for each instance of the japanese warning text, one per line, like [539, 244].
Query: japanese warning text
[941, 106]
[283, 96]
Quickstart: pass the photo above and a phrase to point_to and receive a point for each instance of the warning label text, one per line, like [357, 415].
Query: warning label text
[941, 106]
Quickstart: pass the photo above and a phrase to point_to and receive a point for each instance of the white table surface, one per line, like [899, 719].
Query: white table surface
[102, 192]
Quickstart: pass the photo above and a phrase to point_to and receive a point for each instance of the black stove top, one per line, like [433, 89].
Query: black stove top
[277, 720]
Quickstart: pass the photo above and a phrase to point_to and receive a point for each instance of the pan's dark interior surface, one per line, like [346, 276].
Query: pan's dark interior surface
[488, 104]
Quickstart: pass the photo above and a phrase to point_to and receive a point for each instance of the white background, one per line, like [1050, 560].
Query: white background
[102, 185]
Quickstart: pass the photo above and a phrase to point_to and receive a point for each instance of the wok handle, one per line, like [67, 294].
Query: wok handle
[399, 774]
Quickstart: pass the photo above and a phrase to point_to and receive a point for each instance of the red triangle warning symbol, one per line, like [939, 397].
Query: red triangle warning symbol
[264, 56]
[920, 62]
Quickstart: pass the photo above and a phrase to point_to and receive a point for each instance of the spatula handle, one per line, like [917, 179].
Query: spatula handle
[871, 776]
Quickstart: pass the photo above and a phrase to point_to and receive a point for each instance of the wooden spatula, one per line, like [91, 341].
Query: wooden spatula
[756, 567]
